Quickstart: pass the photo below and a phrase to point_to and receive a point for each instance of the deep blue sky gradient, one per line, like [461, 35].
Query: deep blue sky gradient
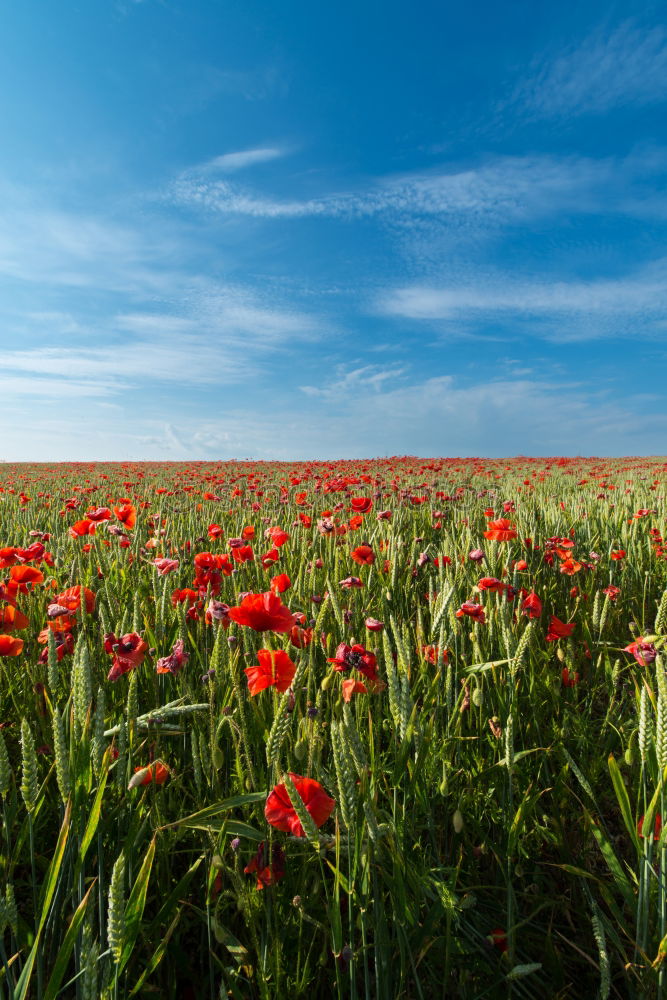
[298, 230]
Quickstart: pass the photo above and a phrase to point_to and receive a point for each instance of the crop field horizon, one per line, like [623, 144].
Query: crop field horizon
[383, 728]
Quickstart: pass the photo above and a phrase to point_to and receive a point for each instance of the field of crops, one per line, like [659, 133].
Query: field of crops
[389, 728]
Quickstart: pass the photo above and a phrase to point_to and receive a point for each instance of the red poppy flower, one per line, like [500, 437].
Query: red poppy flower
[99, 514]
[280, 812]
[156, 772]
[10, 646]
[34, 552]
[8, 557]
[498, 937]
[490, 583]
[175, 661]
[300, 637]
[82, 528]
[130, 650]
[127, 515]
[373, 625]
[20, 576]
[275, 669]
[569, 680]
[180, 596]
[361, 505]
[277, 536]
[71, 599]
[570, 566]
[612, 592]
[500, 531]
[355, 657]
[657, 828]
[164, 566]
[431, 653]
[352, 686]
[558, 629]
[618, 554]
[243, 553]
[263, 613]
[363, 555]
[351, 582]
[472, 610]
[12, 619]
[268, 872]
[215, 531]
[531, 606]
[643, 652]
[270, 558]
[280, 583]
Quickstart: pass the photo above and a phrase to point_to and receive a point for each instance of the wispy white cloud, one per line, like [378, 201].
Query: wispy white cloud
[571, 310]
[230, 162]
[623, 67]
[503, 191]
[348, 383]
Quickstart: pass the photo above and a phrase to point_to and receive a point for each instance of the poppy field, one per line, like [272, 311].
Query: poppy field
[385, 728]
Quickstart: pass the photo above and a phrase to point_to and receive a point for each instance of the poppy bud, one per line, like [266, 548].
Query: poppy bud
[457, 821]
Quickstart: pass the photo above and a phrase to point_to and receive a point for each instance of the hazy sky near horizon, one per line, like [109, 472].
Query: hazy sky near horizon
[260, 230]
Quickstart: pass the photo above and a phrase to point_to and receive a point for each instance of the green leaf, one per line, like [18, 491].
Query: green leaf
[200, 817]
[157, 955]
[623, 800]
[63, 956]
[134, 910]
[51, 881]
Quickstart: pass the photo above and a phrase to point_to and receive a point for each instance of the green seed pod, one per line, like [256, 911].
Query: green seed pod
[629, 756]
[116, 913]
[327, 682]
[457, 821]
[478, 697]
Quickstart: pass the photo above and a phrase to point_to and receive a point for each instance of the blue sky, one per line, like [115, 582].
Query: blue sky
[262, 230]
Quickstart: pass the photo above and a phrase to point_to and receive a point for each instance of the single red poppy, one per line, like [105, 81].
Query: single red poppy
[71, 599]
[352, 686]
[498, 938]
[10, 645]
[643, 652]
[363, 555]
[500, 531]
[268, 871]
[130, 650]
[127, 515]
[472, 610]
[164, 566]
[361, 505]
[280, 583]
[531, 606]
[12, 619]
[569, 680]
[657, 828]
[20, 576]
[263, 613]
[80, 529]
[175, 661]
[280, 812]
[275, 669]
[558, 629]
[157, 772]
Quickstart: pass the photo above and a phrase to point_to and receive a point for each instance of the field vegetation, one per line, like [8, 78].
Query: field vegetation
[374, 729]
